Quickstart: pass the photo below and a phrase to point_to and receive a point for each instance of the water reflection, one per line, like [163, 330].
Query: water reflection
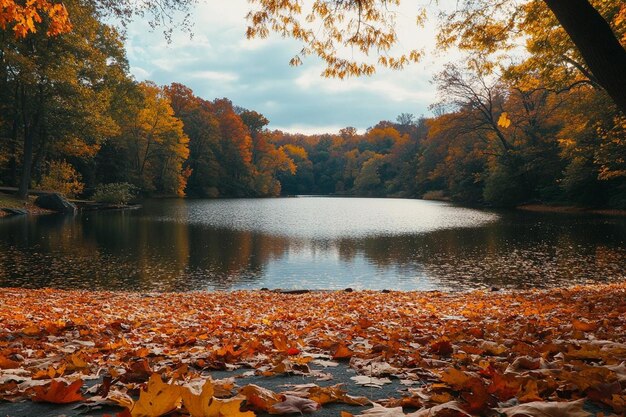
[191, 245]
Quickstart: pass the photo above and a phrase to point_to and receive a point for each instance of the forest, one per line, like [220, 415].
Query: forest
[538, 130]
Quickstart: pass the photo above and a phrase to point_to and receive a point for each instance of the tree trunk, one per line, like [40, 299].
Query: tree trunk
[22, 191]
[597, 44]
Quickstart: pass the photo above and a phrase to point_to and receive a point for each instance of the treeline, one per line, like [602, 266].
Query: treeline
[72, 118]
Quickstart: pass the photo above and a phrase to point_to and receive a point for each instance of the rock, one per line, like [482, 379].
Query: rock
[55, 202]
[294, 292]
[14, 211]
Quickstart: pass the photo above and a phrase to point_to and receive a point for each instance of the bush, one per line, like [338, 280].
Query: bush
[114, 193]
[502, 187]
[62, 178]
[435, 195]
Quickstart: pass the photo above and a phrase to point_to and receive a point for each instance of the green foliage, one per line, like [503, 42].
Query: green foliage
[114, 193]
[502, 187]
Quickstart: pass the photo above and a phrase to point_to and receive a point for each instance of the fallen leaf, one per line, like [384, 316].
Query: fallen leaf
[59, 392]
[449, 409]
[370, 381]
[259, 398]
[291, 404]
[159, 398]
[227, 408]
[198, 404]
[546, 409]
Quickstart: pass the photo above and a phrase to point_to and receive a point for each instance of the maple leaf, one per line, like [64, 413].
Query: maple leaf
[198, 404]
[342, 352]
[379, 411]
[370, 381]
[504, 386]
[260, 399]
[227, 408]
[442, 347]
[449, 409]
[546, 409]
[584, 326]
[159, 398]
[325, 395]
[59, 392]
[6, 363]
[291, 404]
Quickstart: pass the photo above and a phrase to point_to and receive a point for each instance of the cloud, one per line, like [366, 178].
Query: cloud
[219, 62]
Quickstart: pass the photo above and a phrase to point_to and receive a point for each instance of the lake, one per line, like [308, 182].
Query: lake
[310, 243]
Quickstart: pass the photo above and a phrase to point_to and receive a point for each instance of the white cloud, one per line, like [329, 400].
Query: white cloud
[310, 129]
[139, 73]
[214, 76]
[220, 62]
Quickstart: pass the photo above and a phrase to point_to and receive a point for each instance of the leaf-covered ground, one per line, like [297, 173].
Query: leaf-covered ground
[557, 352]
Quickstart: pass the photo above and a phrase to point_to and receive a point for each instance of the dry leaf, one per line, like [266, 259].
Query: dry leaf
[547, 409]
[59, 392]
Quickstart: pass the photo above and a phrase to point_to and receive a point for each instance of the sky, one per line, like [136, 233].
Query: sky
[218, 61]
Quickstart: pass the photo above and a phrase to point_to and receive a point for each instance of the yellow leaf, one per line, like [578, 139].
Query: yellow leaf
[227, 408]
[159, 398]
[504, 120]
[198, 404]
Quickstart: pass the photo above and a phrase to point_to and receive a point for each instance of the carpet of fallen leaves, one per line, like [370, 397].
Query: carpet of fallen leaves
[531, 353]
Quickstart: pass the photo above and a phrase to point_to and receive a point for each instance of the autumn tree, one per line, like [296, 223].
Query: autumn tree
[236, 177]
[153, 140]
[203, 129]
[55, 92]
[472, 25]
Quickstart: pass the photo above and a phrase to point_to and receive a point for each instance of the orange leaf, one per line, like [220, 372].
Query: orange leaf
[59, 392]
[342, 352]
[584, 326]
[6, 363]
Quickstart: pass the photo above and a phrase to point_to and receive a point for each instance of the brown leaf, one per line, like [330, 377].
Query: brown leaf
[547, 409]
[292, 404]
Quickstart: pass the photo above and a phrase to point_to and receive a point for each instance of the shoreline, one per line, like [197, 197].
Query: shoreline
[545, 208]
[494, 291]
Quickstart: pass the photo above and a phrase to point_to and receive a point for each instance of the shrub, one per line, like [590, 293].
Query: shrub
[62, 178]
[114, 193]
[436, 195]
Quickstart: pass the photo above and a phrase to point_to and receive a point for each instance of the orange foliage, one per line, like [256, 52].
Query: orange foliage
[24, 17]
[467, 353]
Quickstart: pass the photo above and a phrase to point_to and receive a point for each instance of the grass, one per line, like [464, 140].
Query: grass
[10, 201]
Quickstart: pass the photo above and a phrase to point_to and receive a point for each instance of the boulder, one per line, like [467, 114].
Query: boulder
[55, 202]
[14, 211]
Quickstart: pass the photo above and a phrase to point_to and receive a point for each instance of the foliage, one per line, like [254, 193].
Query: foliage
[55, 93]
[114, 193]
[539, 129]
[23, 16]
[63, 178]
[539, 351]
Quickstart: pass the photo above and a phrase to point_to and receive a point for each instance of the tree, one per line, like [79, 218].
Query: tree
[236, 178]
[474, 25]
[369, 25]
[55, 93]
[203, 130]
[153, 140]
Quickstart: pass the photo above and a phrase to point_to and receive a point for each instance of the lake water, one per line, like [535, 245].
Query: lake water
[311, 243]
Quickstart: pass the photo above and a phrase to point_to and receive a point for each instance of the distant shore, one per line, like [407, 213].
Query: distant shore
[544, 208]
